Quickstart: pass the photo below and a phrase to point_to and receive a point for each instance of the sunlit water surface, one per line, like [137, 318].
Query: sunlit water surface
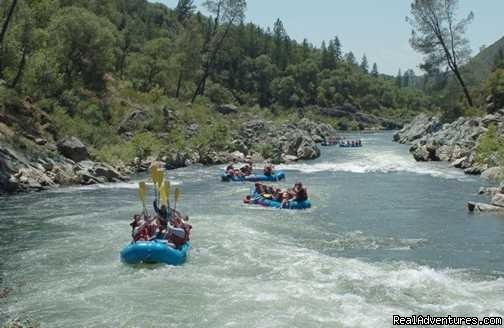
[386, 236]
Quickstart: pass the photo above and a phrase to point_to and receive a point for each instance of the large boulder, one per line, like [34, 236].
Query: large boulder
[73, 148]
[424, 153]
[421, 126]
[227, 109]
[493, 174]
[91, 172]
[133, 121]
[498, 200]
[482, 207]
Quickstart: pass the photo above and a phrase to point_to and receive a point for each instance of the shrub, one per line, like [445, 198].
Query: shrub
[495, 87]
[490, 149]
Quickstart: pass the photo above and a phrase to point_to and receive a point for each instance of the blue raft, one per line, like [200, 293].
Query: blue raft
[276, 176]
[350, 146]
[291, 205]
[156, 251]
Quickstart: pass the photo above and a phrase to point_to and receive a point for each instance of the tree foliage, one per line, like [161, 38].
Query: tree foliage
[440, 37]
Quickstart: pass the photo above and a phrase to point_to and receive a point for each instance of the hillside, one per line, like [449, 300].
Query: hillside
[483, 63]
[90, 69]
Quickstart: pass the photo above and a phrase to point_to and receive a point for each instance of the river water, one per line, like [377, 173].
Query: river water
[386, 236]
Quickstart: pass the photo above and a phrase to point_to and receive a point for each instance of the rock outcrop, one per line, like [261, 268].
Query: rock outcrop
[454, 142]
[41, 170]
[73, 148]
[364, 120]
[285, 142]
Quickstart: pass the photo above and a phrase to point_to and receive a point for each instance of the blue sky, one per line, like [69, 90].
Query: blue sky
[375, 27]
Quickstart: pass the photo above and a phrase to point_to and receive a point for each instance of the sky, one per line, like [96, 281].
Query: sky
[375, 27]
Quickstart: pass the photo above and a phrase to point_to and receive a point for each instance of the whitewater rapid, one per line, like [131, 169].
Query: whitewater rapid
[386, 236]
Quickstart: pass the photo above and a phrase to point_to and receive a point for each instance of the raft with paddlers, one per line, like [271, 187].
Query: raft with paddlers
[351, 144]
[331, 142]
[295, 198]
[156, 251]
[256, 199]
[274, 177]
[162, 237]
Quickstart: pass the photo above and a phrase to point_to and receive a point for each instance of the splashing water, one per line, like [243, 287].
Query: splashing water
[385, 236]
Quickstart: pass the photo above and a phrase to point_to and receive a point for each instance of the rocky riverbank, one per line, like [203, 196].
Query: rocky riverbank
[33, 157]
[262, 140]
[456, 143]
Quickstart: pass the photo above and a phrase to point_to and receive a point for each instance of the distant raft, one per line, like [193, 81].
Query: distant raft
[274, 177]
[256, 199]
[349, 146]
[154, 252]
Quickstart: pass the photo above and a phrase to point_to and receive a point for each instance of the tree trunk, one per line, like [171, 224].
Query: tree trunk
[7, 21]
[179, 85]
[21, 66]
[463, 85]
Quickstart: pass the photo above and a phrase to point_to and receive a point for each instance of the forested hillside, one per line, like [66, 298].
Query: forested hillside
[87, 65]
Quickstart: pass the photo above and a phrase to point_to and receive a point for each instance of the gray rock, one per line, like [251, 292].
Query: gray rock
[489, 191]
[73, 148]
[91, 172]
[421, 126]
[227, 109]
[492, 174]
[474, 170]
[40, 141]
[498, 200]
[133, 121]
[481, 207]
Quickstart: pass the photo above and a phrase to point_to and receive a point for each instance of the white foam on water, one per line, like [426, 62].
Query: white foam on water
[132, 185]
[385, 162]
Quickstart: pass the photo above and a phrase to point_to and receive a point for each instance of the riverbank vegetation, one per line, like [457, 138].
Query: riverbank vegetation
[88, 65]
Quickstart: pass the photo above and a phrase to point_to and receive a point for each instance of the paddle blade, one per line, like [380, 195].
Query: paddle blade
[177, 194]
[160, 177]
[167, 187]
[142, 189]
[153, 172]
[163, 196]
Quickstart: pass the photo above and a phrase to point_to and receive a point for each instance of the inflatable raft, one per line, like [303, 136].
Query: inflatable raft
[276, 176]
[156, 251]
[350, 146]
[329, 143]
[291, 205]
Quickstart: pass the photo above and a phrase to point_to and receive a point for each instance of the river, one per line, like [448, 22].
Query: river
[386, 235]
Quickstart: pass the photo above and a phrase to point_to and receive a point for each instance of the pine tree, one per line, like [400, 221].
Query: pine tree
[350, 59]
[374, 70]
[499, 60]
[399, 79]
[327, 60]
[364, 64]
[184, 10]
[337, 50]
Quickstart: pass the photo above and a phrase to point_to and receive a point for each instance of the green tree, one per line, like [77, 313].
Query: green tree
[440, 37]
[226, 14]
[364, 64]
[151, 67]
[350, 59]
[499, 60]
[184, 10]
[327, 59]
[374, 70]
[399, 79]
[187, 57]
[83, 45]
[338, 54]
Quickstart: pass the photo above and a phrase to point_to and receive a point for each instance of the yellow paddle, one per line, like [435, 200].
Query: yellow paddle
[164, 193]
[177, 196]
[142, 190]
